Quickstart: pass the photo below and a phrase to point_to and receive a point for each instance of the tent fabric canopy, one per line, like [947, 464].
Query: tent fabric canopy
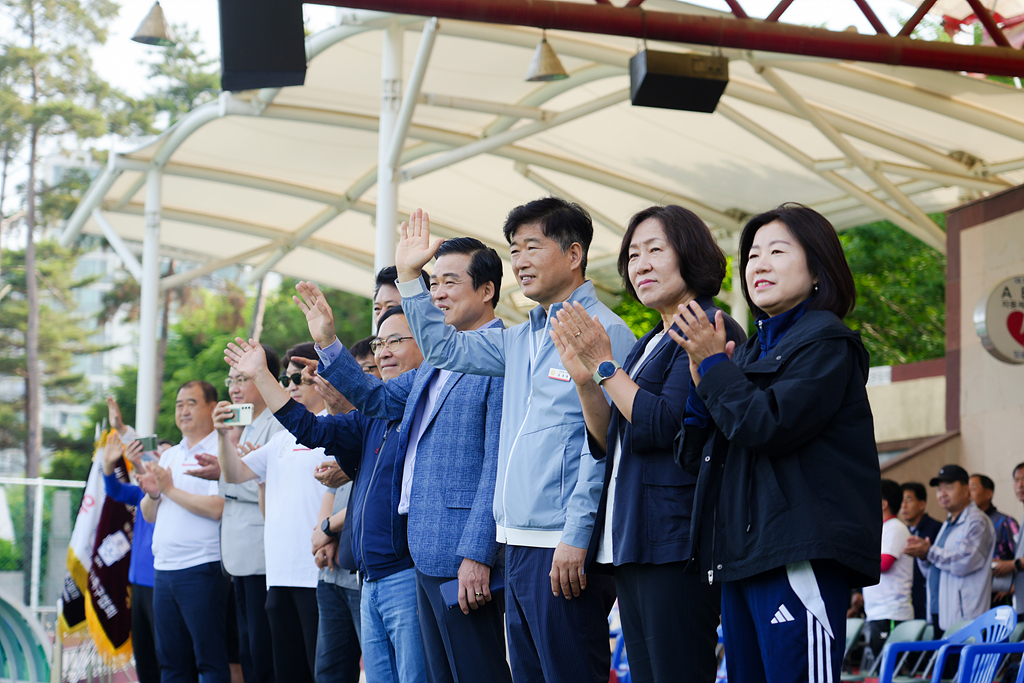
[286, 178]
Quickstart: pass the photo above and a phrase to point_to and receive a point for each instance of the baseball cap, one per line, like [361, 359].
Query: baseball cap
[950, 473]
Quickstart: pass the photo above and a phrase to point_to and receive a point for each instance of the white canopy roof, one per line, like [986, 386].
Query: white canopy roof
[286, 179]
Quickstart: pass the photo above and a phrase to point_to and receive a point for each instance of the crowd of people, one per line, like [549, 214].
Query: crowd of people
[479, 495]
[943, 572]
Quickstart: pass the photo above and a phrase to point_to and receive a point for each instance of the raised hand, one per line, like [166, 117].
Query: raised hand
[207, 467]
[161, 477]
[586, 335]
[222, 411]
[415, 248]
[114, 415]
[112, 452]
[147, 482]
[319, 316]
[247, 357]
[246, 448]
[133, 454]
[701, 338]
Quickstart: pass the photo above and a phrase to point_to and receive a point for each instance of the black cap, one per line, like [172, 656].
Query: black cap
[950, 473]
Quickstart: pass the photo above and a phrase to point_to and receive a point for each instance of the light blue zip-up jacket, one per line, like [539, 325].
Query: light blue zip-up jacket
[548, 485]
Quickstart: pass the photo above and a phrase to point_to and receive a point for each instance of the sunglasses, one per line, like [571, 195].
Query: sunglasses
[285, 380]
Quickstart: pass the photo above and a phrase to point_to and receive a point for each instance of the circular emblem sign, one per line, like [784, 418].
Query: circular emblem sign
[999, 320]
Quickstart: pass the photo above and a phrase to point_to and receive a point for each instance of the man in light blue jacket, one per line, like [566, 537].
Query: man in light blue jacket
[548, 485]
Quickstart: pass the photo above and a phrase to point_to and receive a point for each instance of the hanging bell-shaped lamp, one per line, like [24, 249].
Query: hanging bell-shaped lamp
[154, 29]
[545, 65]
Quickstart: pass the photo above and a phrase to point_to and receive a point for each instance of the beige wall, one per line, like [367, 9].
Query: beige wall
[991, 392]
[908, 410]
[922, 463]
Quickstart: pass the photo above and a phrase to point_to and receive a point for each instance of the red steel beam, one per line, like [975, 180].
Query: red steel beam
[734, 5]
[776, 13]
[989, 23]
[872, 18]
[743, 34]
[909, 27]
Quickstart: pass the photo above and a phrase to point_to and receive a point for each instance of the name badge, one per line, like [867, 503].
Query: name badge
[561, 375]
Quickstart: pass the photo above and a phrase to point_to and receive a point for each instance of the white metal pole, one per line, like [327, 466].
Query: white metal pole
[387, 183]
[37, 545]
[145, 396]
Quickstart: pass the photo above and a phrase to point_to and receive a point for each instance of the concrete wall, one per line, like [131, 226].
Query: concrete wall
[908, 410]
[985, 246]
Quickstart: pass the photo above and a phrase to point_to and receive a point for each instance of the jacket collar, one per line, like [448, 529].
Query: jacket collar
[585, 294]
[771, 330]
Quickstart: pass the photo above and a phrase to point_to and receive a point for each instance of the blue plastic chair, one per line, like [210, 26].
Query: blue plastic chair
[620, 662]
[993, 626]
[978, 663]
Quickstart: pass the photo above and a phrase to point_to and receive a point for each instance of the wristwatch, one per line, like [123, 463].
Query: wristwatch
[605, 370]
[325, 527]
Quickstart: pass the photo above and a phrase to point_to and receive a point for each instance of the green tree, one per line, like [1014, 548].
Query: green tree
[284, 325]
[901, 293]
[184, 75]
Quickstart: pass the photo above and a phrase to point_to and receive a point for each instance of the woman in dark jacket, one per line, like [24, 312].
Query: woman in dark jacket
[668, 257]
[786, 512]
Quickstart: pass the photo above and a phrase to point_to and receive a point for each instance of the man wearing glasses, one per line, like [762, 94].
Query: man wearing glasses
[241, 530]
[367, 450]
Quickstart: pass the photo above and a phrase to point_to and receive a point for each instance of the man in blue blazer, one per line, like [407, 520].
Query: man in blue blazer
[449, 439]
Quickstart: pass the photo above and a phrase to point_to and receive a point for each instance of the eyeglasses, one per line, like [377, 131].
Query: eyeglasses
[232, 381]
[369, 368]
[297, 378]
[391, 343]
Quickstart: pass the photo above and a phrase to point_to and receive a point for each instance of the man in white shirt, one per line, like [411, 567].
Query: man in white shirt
[292, 503]
[888, 603]
[190, 592]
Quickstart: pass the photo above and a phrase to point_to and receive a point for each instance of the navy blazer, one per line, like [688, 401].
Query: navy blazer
[653, 496]
[451, 504]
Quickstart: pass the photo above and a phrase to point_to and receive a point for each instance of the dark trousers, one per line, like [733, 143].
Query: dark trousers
[337, 634]
[293, 614]
[254, 645]
[877, 633]
[147, 666]
[553, 639]
[190, 612]
[461, 648]
[668, 617]
[773, 636]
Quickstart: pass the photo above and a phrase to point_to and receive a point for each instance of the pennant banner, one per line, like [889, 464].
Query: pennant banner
[98, 558]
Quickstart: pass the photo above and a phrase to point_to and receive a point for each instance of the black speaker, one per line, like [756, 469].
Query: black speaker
[262, 44]
[671, 80]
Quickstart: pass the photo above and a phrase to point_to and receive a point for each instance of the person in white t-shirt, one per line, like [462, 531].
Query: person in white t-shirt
[190, 592]
[292, 504]
[888, 603]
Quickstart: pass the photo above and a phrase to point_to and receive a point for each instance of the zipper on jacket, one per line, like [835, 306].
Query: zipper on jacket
[508, 465]
[714, 528]
[362, 513]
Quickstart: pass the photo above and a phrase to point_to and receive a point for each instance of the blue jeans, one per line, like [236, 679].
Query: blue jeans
[190, 611]
[337, 640]
[392, 646]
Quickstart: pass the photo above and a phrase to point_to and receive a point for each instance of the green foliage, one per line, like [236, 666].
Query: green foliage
[69, 465]
[185, 75]
[901, 309]
[284, 325]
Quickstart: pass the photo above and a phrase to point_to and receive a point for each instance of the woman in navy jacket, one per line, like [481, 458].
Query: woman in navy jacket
[668, 257]
[786, 512]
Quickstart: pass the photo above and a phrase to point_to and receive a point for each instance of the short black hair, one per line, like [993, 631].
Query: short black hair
[209, 392]
[273, 364]
[564, 222]
[702, 263]
[825, 258]
[162, 442]
[303, 350]
[917, 488]
[361, 349]
[892, 494]
[985, 481]
[394, 310]
[389, 274]
[484, 262]
[1019, 466]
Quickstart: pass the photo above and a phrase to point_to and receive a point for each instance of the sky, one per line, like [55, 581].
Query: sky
[119, 61]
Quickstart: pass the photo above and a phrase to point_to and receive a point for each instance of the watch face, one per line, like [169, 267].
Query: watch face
[607, 369]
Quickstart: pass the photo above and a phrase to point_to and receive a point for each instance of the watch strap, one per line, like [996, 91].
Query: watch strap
[599, 378]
